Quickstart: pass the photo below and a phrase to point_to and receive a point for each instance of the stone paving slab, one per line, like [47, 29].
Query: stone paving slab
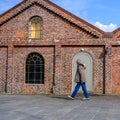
[51, 107]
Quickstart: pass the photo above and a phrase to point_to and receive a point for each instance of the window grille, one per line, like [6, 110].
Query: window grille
[34, 69]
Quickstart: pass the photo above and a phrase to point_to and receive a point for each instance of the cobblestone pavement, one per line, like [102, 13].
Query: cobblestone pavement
[51, 107]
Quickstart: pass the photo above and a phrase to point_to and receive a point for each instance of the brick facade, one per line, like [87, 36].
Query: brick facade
[63, 36]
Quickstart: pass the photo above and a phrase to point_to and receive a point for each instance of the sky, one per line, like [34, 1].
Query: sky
[103, 14]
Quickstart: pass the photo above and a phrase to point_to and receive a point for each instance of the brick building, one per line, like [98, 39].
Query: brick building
[39, 44]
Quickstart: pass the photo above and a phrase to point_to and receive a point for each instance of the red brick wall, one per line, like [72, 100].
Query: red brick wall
[61, 41]
[116, 69]
[53, 26]
[98, 68]
[3, 68]
[19, 58]
[15, 32]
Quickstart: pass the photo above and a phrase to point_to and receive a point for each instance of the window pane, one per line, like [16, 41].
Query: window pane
[27, 68]
[38, 68]
[35, 58]
[37, 82]
[38, 62]
[31, 62]
[33, 34]
[37, 34]
[37, 26]
[31, 68]
[27, 80]
[33, 27]
[37, 76]
[41, 68]
[31, 76]
[31, 81]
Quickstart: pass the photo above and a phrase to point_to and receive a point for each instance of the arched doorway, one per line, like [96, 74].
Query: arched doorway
[87, 60]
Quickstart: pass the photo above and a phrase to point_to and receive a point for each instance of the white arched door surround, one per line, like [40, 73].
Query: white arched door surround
[87, 60]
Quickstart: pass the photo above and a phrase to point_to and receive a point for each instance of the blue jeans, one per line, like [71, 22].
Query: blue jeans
[77, 87]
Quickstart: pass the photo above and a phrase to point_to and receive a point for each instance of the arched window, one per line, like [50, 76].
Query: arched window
[34, 69]
[35, 29]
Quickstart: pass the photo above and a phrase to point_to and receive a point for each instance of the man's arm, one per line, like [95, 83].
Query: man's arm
[83, 65]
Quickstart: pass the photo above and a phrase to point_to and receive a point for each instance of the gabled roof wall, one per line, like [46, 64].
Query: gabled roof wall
[54, 8]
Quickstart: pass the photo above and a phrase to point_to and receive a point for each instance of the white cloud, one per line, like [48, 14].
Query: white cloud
[106, 28]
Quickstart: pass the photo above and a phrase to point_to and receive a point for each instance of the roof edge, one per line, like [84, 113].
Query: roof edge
[76, 17]
[63, 10]
[12, 8]
[115, 31]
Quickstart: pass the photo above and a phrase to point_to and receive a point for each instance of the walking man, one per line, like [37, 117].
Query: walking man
[80, 79]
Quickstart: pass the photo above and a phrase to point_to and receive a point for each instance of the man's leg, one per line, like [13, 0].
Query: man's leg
[85, 90]
[77, 87]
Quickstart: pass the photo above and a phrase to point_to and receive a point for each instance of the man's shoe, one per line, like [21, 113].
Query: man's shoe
[85, 98]
[69, 96]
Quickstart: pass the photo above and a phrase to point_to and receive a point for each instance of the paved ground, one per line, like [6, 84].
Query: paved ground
[50, 107]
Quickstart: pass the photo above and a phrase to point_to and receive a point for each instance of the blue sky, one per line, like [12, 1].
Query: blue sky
[103, 14]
